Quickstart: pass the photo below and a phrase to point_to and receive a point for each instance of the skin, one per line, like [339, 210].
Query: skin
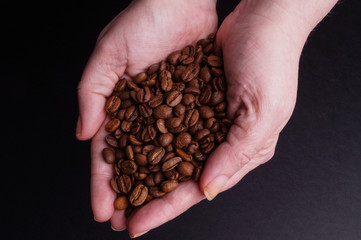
[261, 43]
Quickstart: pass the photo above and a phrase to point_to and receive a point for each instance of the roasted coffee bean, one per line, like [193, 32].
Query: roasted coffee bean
[121, 203]
[172, 174]
[173, 123]
[119, 154]
[137, 149]
[182, 140]
[160, 124]
[141, 159]
[180, 128]
[153, 68]
[192, 147]
[155, 101]
[148, 133]
[186, 157]
[134, 141]
[108, 155]
[171, 163]
[112, 141]
[205, 74]
[168, 156]
[196, 173]
[199, 156]
[162, 112]
[123, 141]
[149, 180]
[156, 192]
[174, 98]
[169, 185]
[138, 196]
[132, 85]
[165, 139]
[214, 61]
[208, 148]
[120, 85]
[124, 183]
[166, 82]
[217, 98]
[206, 112]
[128, 167]
[114, 185]
[192, 90]
[112, 104]
[129, 152]
[154, 167]
[188, 99]
[179, 110]
[190, 72]
[173, 57]
[191, 117]
[112, 125]
[205, 96]
[147, 149]
[201, 134]
[140, 77]
[156, 155]
[178, 86]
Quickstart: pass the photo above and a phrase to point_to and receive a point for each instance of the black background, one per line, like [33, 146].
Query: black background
[311, 189]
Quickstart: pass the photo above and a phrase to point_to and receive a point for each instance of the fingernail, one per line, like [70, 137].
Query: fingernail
[215, 187]
[138, 234]
[117, 230]
[78, 128]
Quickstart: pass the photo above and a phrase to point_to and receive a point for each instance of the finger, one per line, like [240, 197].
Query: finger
[118, 221]
[102, 196]
[230, 157]
[103, 70]
[162, 210]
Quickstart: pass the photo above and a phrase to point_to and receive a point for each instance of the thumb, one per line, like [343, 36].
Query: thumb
[98, 80]
[244, 149]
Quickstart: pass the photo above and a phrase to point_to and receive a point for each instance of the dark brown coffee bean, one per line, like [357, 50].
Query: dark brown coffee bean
[138, 196]
[191, 117]
[155, 167]
[173, 123]
[124, 183]
[169, 148]
[140, 77]
[120, 85]
[143, 95]
[189, 50]
[119, 154]
[196, 173]
[108, 155]
[214, 61]
[220, 137]
[205, 96]
[192, 147]
[165, 139]
[156, 155]
[162, 112]
[188, 99]
[156, 192]
[169, 185]
[112, 141]
[190, 72]
[126, 103]
[186, 157]
[179, 110]
[158, 178]
[209, 148]
[174, 98]
[205, 74]
[134, 141]
[126, 126]
[132, 85]
[141, 159]
[220, 108]
[206, 112]
[168, 156]
[192, 90]
[217, 97]
[112, 104]
[128, 167]
[153, 68]
[219, 84]
[123, 141]
[120, 114]
[171, 163]
[145, 110]
[182, 140]
[171, 174]
[208, 49]
[216, 72]
[129, 152]
[114, 184]
[203, 42]
[166, 83]
[149, 180]
[147, 149]
[178, 86]
[160, 124]
[173, 57]
[149, 133]
[143, 169]
[184, 59]
[131, 113]
[201, 134]
[121, 203]
[137, 148]
[155, 101]
[199, 156]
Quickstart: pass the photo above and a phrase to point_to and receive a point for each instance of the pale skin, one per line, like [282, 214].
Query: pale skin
[261, 43]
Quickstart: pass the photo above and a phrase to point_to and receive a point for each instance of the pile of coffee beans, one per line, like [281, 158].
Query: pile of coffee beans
[165, 123]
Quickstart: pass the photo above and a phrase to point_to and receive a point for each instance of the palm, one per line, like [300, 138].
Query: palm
[130, 44]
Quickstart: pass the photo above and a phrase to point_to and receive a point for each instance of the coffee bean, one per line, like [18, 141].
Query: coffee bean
[140, 77]
[201, 134]
[166, 82]
[182, 140]
[128, 167]
[138, 196]
[148, 133]
[124, 183]
[188, 99]
[134, 141]
[192, 147]
[169, 185]
[153, 68]
[173, 123]
[192, 90]
[171, 163]
[120, 85]
[165, 139]
[156, 192]
[131, 113]
[173, 57]
[174, 98]
[121, 203]
[186, 157]
[191, 117]
[206, 112]
[112, 141]
[112, 104]
[160, 124]
[123, 141]
[162, 112]
[221, 108]
[129, 152]
[108, 155]
[156, 155]
[217, 97]
[179, 110]
[155, 101]
[132, 85]
[126, 126]
[171, 174]
[114, 185]
[190, 72]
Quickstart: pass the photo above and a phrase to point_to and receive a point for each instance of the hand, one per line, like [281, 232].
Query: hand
[144, 33]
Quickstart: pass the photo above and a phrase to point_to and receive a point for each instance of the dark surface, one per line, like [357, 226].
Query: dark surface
[311, 189]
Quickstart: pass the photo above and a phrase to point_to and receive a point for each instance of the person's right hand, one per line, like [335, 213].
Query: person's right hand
[143, 34]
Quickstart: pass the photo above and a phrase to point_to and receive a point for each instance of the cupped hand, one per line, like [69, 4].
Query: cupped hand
[143, 34]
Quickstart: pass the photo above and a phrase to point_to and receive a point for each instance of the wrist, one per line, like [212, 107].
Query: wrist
[295, 18]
